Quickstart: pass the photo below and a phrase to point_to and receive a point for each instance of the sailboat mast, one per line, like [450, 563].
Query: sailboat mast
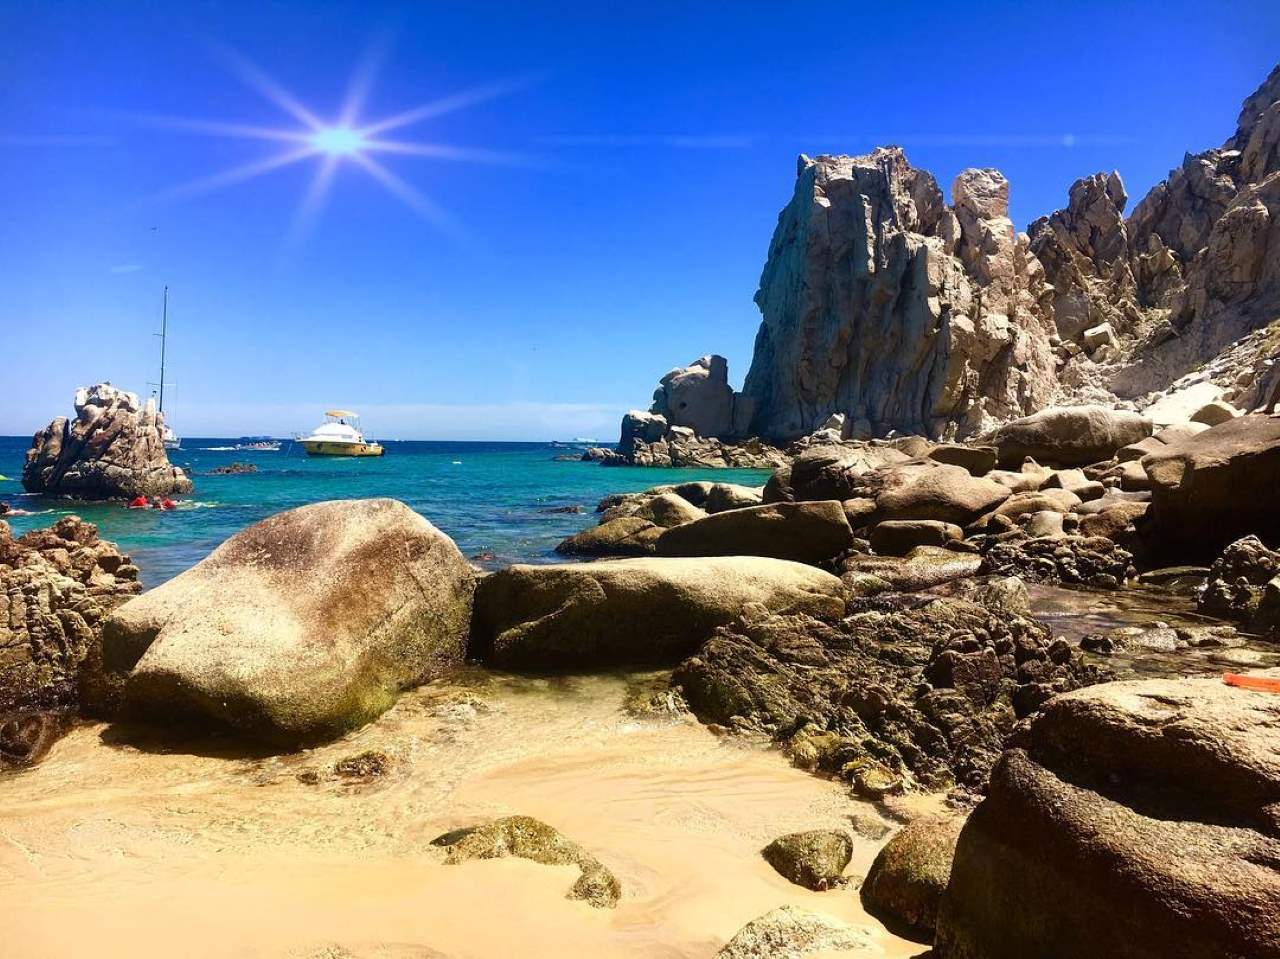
[164, 332]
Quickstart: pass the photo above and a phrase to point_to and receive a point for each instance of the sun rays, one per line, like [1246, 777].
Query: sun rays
[347, 142]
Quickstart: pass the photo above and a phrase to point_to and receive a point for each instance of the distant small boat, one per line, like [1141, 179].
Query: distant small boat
[254, 444]
[339, 436]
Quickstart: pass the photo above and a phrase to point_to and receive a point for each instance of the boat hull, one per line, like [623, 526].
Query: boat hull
[329, 448]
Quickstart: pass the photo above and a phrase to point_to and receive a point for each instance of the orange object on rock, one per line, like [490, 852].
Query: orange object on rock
[1261, 684]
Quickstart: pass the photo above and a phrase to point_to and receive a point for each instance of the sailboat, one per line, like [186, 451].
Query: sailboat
[168, 436]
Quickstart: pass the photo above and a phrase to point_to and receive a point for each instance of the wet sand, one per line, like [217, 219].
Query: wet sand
[124, 847]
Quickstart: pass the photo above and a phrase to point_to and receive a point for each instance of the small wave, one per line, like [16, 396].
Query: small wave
[196, 504]
[457, 462]
[220, 449]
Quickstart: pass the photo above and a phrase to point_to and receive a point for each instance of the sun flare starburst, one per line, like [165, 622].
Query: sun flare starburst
[345, 142]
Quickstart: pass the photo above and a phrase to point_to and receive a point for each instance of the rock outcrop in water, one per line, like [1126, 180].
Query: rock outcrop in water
[57, 585]
[113, 448]
[884, 304]
[299, 628]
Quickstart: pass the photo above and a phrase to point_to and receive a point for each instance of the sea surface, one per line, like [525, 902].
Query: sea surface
[498, 501]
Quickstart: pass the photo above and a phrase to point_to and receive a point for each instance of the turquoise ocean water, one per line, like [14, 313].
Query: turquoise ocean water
[492, 498]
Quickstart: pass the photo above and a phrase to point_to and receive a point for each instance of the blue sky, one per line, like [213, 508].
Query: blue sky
[648, 149]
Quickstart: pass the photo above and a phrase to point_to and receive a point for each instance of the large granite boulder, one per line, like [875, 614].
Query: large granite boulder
[57, 585]
[113, 447]
[880, 302]
[805, 532]
[815, 859]
[829, 472]
[1215, 487]
[624, 536]
[1069, 435]
[948, 494]
[1135, 820]
[302, 626]
[632, 611]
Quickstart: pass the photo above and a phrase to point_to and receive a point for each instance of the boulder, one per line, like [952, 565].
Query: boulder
[57, 585]
[790, 932]
[900, 537]
[1135, 819]
[1211, 414]
[1071, 560]
[1115, 522]
[301, 627]
[1069, 435]
[1020, 504]
[829, 472]
[727, 496]
[698, 396]
[113, 448]
[1045, 523]
[624, 536]
[1244, 584]
[815, 859]
[978, 460]
[667, 510]
[632, 611]
[945, 493]
[805, 532]
[1215, 487]
[907, 878]
[528, 838]
[1074, 481]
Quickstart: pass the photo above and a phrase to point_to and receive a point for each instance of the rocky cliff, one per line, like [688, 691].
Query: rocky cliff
[114, 447]
[885, 304]
[884, 308]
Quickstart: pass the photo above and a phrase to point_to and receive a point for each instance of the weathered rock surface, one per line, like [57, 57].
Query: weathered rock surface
[815, 859]
[726, 496]
[57, 585]
[1069, 435]
[945, 493]
[1215, 487]
[790, 932]
[830, 472]
[1244, 585]
[805, 532]
[633, 611]
[904, 691]
[907, 878]
[1072, 560]
[113, 447]
[302, 626]
[528, 838]
[900, 537]
[624, 536]
[699, 396]
[1135, 819]
[922, 568]
[882, 303]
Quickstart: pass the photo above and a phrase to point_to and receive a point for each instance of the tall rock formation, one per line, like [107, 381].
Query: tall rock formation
[114, 447]
[882, 303]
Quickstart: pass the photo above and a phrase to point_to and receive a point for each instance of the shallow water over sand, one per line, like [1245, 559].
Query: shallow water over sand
[122, 847]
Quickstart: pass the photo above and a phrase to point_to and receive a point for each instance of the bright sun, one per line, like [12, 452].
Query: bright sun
[338, 140]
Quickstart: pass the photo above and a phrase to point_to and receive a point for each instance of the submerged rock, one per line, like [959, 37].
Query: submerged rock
[528, 838]
[624, 536]
[815, 859]
[1135, 819]
[904, 691]
[302, 626]
[633, 611]
[907, 878]
[790, 932]
[113, 448]
[57, 585]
